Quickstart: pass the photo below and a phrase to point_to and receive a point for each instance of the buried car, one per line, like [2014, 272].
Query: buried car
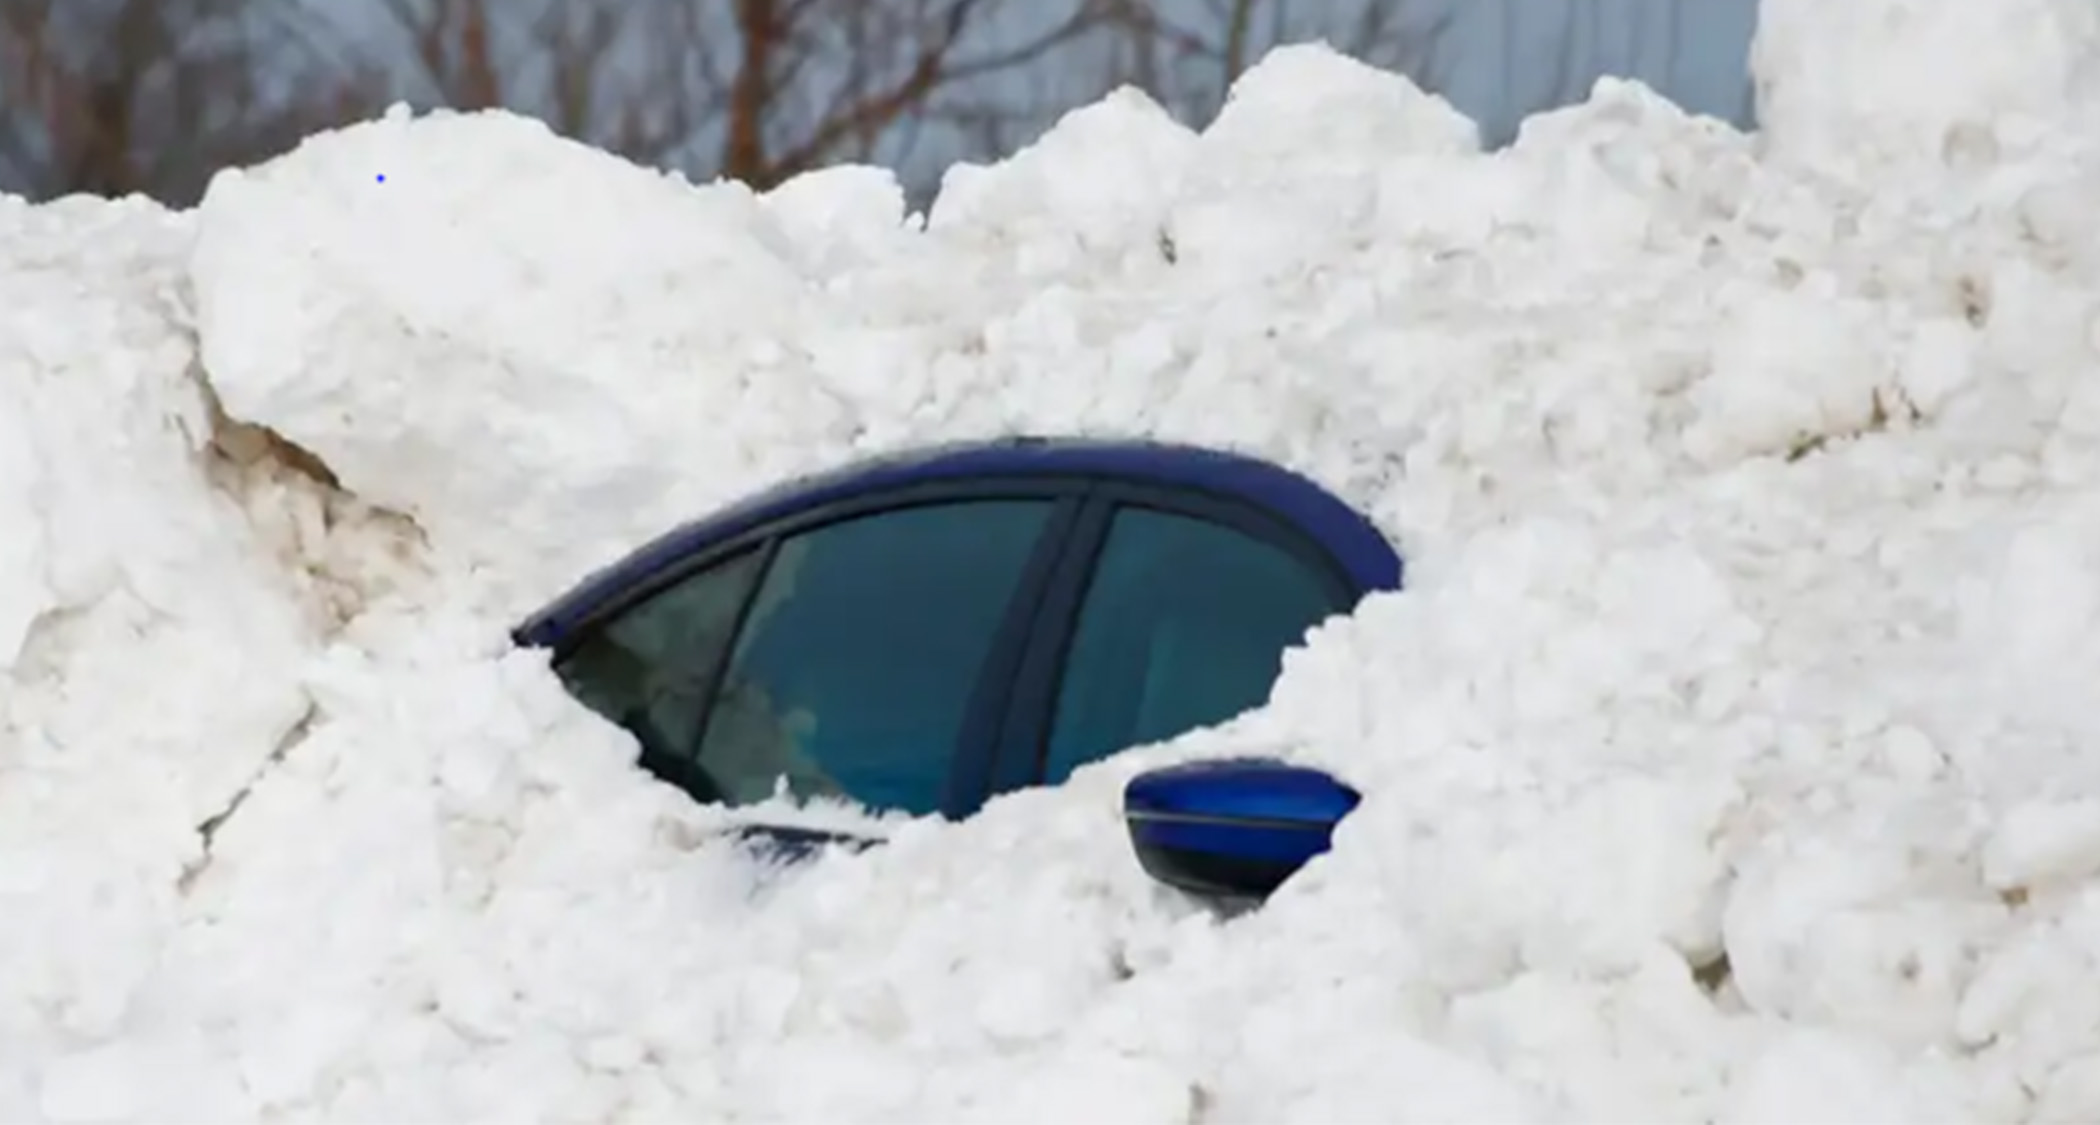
[923, 631]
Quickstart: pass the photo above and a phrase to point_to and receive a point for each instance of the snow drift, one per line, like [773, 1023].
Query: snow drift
[1730, 757]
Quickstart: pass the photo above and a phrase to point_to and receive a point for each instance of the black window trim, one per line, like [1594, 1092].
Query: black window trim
[689, 754]
[963, 792]
[898, 498]
[681, 758]
[1023, 746]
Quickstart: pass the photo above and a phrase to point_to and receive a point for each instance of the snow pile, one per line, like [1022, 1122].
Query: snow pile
[1887, 80]
[1729, 758]
[131, 591]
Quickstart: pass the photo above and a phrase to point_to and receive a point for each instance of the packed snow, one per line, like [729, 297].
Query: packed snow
[1730, 758]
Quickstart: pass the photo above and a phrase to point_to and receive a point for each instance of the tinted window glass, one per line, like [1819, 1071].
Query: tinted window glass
[648, 668]
[1184, 625]
[855, 670]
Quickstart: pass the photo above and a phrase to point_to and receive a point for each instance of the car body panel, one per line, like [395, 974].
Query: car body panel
[1357, 546]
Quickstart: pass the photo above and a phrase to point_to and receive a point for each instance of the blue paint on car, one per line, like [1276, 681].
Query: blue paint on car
[1355, 543]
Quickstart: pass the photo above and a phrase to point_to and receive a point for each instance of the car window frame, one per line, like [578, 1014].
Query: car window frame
[1021, 749]
[988, 697]
[671, 762]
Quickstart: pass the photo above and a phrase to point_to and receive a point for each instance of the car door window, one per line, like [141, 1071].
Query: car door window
[854, 672]
[648, 669]
[1184, 624]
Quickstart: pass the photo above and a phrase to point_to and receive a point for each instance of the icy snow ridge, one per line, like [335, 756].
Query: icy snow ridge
[1730, 758]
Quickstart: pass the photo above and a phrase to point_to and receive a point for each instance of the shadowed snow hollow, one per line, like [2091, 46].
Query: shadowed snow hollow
[1730, 757]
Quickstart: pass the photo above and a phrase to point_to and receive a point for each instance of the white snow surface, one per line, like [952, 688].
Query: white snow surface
[1731, 756]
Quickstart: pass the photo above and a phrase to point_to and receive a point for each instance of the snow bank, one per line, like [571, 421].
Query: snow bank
[1728, 759]
[130, 590]
[1891, 80]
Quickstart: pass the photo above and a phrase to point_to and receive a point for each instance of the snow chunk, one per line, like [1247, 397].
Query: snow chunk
[2044, 842]
[436, 244]
[1938, 80]
[1096, 183]
[152, 662]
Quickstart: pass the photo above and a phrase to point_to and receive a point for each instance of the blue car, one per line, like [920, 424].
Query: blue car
[922, 632]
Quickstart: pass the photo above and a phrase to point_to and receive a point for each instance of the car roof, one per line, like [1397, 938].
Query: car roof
[1362, 550]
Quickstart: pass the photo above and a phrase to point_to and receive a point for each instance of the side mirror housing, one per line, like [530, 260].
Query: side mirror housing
[1232, 829]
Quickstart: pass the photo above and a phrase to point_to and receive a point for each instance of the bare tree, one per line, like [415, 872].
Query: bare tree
[755, 90]
[116, 96]
[112, 97]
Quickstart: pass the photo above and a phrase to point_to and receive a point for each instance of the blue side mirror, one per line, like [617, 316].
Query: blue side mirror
[1233, 829]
